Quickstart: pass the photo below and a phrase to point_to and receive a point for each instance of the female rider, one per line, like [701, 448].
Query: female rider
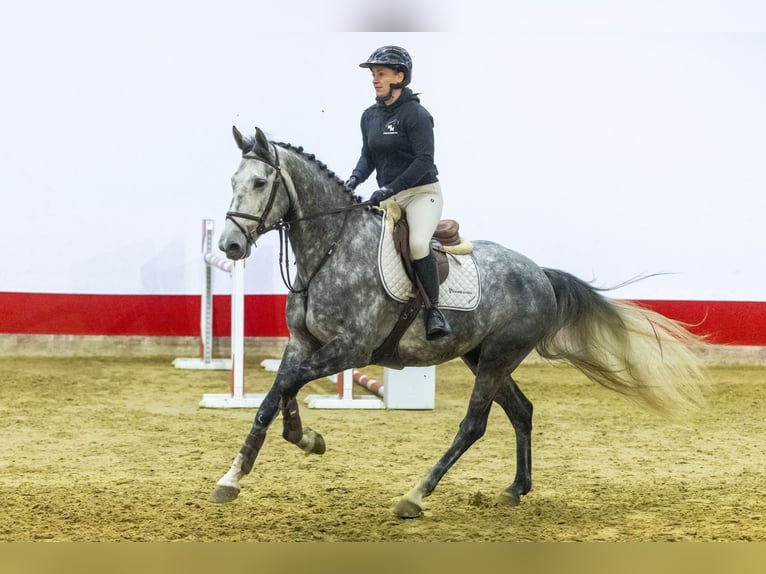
[398, 144]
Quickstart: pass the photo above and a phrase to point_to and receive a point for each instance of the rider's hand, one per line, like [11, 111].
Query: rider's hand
[380, 195]
[351, 184]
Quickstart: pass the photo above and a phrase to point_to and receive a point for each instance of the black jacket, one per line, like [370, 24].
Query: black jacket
[398, 144]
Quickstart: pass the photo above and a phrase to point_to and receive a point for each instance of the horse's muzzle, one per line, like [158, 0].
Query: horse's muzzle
[234, 244]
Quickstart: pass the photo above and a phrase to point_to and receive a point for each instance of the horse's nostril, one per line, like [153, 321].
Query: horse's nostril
[234, 251]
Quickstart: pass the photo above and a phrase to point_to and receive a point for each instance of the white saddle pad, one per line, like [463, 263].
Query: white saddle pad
[461, 291]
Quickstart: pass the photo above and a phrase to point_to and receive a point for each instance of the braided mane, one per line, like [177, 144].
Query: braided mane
[321, 165]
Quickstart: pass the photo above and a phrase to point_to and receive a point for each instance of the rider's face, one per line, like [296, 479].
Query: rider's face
[383, 77]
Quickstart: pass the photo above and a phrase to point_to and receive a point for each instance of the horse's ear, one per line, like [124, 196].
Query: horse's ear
[238, 138]
[261, 143]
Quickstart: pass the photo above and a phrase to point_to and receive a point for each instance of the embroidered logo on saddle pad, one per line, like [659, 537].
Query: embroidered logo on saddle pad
[460, 291]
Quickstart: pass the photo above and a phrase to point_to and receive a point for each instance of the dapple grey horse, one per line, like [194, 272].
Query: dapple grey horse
[338, 314]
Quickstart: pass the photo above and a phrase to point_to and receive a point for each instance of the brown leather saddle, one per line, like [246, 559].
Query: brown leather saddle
[447, 234]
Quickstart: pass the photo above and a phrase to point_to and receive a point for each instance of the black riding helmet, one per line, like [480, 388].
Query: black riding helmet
[393, 57]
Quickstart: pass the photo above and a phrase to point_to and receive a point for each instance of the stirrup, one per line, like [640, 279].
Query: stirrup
[436, 324]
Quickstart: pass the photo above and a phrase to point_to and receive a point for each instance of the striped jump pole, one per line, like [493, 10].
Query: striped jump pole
[368, 383]
[345, 398]
[410, 388]
[344, 382]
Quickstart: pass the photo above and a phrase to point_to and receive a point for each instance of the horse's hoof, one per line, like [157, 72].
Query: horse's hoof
[509, 498]
[223, 494]
[408, 509]
[317, 445]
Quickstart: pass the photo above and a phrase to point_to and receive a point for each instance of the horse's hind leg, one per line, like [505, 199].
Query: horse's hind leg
[519, 410]
[471, 429]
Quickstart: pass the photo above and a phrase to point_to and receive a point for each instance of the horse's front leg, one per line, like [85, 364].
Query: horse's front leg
[293, 431]
[333, 357]
[227, 488]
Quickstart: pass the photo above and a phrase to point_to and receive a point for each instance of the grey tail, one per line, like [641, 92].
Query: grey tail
[637, 352]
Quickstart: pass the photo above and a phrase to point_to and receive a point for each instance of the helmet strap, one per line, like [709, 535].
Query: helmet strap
[391, 88]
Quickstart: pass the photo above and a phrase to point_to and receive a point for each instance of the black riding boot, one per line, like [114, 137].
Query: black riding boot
[436, 323]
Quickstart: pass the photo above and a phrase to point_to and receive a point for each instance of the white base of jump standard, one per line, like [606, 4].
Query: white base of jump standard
[228, 401]
[212, 364]
[335, 402]
[410, 388]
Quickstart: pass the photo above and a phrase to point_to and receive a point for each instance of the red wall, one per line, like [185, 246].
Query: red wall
[148, 315]
[727, 322]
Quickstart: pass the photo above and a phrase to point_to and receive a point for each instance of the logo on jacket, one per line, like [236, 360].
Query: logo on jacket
[392, 128]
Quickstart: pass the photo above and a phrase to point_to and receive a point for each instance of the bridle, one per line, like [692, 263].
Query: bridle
[261, 219]
[283, 225]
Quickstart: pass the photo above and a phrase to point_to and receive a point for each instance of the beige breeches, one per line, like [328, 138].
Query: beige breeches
[423, 205]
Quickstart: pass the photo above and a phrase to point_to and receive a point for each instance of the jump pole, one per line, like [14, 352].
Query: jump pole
[236, 397]
[411, 388]
[345, 398]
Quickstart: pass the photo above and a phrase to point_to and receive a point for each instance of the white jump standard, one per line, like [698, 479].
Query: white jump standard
[236, 397]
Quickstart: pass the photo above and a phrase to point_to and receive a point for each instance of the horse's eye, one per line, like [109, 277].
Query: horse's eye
[259, 182]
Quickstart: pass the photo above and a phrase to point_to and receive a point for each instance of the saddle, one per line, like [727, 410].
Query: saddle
[446, 230]
[446, 240]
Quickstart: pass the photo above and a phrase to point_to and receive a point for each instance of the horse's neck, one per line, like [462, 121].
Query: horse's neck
[313, 191]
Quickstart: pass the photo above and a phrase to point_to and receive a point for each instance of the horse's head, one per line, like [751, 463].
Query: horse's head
[260, 197]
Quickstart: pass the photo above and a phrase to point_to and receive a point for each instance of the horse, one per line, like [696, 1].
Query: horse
[338, 314]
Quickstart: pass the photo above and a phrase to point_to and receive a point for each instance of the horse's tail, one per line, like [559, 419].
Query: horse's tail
[649, 358]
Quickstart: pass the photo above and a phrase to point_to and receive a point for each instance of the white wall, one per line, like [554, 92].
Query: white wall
[618, 145]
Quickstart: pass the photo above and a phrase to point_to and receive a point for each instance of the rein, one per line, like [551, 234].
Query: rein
[283, 226]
